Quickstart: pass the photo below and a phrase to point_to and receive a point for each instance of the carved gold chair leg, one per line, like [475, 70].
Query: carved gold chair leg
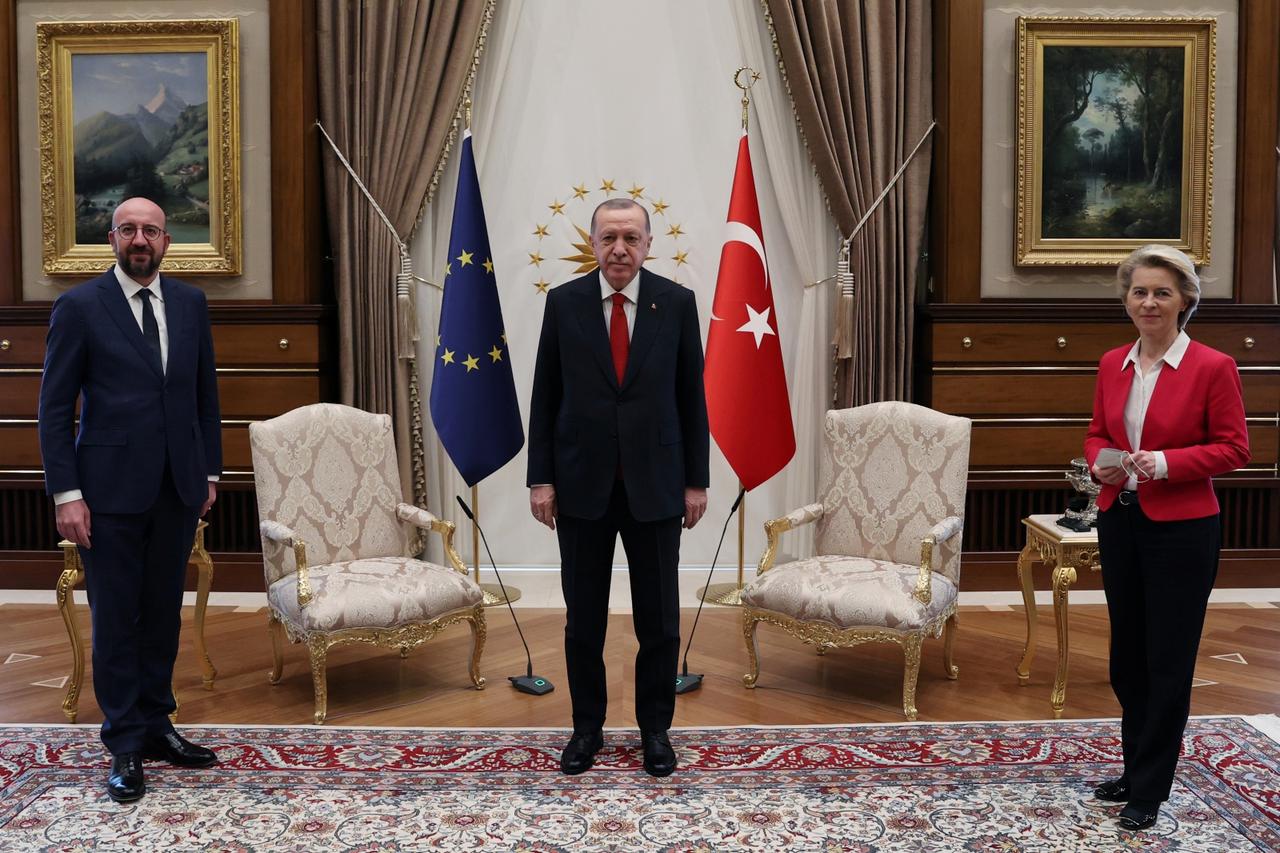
[276, 630]
[948, 643]
[749, 623]
[478, 633]
[319, 648]
[404, 652]
[822, 650]
[910, 673]
[67, 581]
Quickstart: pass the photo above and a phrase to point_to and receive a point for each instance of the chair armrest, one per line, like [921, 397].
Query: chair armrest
[284, 536]
[423, 520]
[774, 528]
[941, 532]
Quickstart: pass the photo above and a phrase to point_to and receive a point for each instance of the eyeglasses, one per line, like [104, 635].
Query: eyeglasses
[128, 231]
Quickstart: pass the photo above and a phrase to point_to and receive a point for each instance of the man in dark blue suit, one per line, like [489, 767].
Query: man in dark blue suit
[135, 348]
[618, 444]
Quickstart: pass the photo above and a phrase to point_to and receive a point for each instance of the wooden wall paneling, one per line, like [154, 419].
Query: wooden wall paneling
[298, 268]
[1257, 114]
[956, 204]
[10, 218]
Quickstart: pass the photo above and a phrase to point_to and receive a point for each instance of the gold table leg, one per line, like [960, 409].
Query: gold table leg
[1029, 606]
[72, 574]
[1063, 577]
[204, 582]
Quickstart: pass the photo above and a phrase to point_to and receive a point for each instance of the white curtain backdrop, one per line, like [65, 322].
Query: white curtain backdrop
[573, 95]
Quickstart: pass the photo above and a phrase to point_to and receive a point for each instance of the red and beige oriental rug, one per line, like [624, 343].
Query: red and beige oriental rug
[935, 787]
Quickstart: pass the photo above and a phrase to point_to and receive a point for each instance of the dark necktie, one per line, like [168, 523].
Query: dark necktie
[619, 342]
[150, 328]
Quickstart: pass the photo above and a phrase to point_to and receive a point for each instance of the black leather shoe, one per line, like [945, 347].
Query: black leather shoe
[176, 749]
[659, 757]
[125, 783]
[1139, 815]
[580, 753]
[1114, 791]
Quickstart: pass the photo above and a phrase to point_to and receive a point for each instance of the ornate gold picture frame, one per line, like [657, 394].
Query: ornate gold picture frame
[140, 108]
[1115, 138]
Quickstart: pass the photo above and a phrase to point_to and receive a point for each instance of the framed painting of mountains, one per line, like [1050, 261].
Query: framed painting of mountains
[1115, 138]
[139, 108]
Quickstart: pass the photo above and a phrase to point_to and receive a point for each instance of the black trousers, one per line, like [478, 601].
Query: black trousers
[1157, 576]
[134, 574]
[653, 555]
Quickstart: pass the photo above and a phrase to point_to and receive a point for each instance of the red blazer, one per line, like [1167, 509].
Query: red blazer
[1196, 417]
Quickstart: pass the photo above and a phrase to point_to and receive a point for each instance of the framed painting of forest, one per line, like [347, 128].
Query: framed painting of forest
[139, 108]
[1115, 138]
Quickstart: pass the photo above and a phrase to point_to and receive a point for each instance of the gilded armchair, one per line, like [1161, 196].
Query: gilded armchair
[338, 543]
[887, 568]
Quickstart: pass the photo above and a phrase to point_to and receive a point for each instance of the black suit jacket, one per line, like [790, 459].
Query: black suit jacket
[133, 415]
[582, 421]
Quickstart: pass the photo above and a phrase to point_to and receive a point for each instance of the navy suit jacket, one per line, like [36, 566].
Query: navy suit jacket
[133, 415]
[582, 421]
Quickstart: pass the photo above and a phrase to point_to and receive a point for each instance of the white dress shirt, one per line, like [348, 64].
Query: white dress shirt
[1135, 407]
[631, 292]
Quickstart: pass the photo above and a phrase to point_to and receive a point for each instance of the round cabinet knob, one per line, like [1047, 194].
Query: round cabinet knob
[1062, 343]
[967, 343]
[284, 343]
[4, 345]
[1248, 343]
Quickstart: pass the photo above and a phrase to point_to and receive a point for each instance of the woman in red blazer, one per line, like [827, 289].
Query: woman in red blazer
[1168, 416]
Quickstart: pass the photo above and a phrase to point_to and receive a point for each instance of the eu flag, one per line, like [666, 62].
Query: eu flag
[473, 394]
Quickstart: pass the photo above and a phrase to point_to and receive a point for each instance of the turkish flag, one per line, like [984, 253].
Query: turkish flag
[747, 403]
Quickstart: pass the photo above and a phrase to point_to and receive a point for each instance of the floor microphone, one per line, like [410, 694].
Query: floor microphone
[527, 683]
[687, 682]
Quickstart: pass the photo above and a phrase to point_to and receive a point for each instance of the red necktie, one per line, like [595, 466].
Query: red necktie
[619, 342]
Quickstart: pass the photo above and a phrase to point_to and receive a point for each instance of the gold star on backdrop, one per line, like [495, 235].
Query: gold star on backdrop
[556, 207]
[464, 258]
[636, 191]
[541, 285]
[674, 230]
[606, 186]
[580, 191]
[471, 362]
[540, 231]
[495, 353]
[488, 266]
[679, 257]
[447, 358]
[535, 258]
[660, 206]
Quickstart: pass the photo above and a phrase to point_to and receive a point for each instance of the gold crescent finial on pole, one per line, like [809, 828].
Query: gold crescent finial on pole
[466, 114]
[746, 89]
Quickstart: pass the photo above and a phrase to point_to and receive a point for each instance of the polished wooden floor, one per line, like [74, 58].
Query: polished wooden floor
[430, 688]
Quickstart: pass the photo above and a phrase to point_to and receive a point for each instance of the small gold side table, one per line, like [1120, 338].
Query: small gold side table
[1066, 551]
[73, 574]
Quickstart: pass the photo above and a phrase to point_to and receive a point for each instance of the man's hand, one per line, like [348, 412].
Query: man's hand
[542, 503]
[1114, 476]
[209, 501]
[695, 506]
[73, 522]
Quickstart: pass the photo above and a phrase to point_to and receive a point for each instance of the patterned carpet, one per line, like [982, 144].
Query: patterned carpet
[936, 787]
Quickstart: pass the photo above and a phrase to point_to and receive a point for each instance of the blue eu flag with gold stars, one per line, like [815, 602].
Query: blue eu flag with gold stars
[473, 394]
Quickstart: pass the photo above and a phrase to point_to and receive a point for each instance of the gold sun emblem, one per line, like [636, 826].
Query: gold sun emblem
[574, 239]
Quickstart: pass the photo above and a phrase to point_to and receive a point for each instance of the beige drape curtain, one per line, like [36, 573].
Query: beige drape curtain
[392, 77]
[860, 76]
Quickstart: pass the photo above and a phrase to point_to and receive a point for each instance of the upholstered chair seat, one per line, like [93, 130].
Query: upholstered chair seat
[850, 592]
[340, 549]
[378, 592]
[889, 522]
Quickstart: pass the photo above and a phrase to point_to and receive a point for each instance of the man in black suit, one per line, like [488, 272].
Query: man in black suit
[135, 348]
[618, 444]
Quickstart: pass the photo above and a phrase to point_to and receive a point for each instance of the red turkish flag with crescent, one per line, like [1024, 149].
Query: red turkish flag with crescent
[746, 385]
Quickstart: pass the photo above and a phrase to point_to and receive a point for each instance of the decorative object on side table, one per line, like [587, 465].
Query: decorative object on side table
[1082, 509]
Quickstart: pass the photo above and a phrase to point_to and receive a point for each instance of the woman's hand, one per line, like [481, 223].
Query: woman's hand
[1114, 476]
[1145, 462]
